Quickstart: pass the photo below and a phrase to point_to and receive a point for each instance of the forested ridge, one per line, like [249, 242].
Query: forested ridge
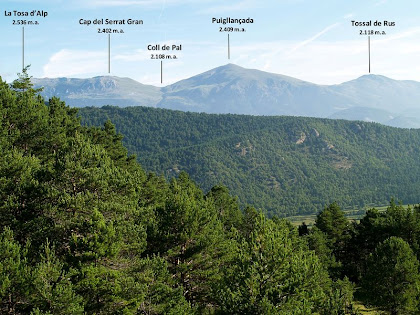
[85, 230]
[285, 165]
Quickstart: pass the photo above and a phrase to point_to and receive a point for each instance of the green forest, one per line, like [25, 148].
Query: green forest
[84, 229]
[284, 165]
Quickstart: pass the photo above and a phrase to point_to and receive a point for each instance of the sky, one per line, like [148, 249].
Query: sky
[310, 40]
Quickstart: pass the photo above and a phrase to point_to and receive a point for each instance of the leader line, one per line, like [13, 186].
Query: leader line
[109, 53]
[228, 46]
[23, 47]
[369, 52]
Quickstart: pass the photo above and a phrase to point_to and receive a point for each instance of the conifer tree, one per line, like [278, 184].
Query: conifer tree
[392, 280]
[53, 291]
[191, 238]
[227, 207]
[272, 273]
[23, 84]
[14, 275]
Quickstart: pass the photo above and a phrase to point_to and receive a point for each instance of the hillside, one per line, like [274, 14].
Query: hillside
[285, 165]
[98, 91]
[84, 230]
[236, 90]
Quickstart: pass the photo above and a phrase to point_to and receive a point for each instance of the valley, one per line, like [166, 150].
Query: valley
[284, 165]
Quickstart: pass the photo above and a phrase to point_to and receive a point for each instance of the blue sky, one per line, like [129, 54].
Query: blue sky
[307, 39]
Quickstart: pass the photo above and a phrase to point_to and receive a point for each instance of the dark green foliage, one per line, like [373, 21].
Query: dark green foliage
[378, 254]
[52, 289]
[392, 280]
[227, 207]
[15, 275]
[73, 215]
[272, 272]
[190, 236]
[337, 229]
[319, 242]
[23, 84]
[284, 165]
[329, 238]
[111, 141]
[84, 230]
[340, 298]
[151, 289]
[333, 223]
[303, 229]
[375, 227]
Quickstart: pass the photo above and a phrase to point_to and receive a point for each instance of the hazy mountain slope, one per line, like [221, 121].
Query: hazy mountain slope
[364, 114]
[404, 122]
[286, 165]
[377, 91]
[236, 90]
[99, 91]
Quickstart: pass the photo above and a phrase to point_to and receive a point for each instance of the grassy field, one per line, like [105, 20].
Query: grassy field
[350, 214]
[363, 310]
[310, 219]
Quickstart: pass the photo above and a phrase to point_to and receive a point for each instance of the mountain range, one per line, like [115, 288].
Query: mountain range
[99, 91]
[236, 90]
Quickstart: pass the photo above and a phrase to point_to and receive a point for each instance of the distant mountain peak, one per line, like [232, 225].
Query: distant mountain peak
[375, 77]
[233, 89]
[231, 65]
[99, 91]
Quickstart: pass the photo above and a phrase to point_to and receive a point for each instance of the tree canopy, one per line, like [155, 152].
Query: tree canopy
[85, 230]
[284, 165]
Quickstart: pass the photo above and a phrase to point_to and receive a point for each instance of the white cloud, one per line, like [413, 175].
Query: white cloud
[138, 55]
[325, 62]
[138, 66]
[33, 1]
[239, 6]
[318, 61]
[139, 3]
[316, 36]
[403, 34]
[380, 3]
[215, 6]
[67, 63]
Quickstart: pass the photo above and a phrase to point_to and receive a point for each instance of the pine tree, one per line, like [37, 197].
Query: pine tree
[332, 222]
[53, 291]
[272, 272]
[338, 230]
[319, 242]
[149, 288]
[191, 238]
[24, 84]
[392, 280]
[227, 207]
[14, 274]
